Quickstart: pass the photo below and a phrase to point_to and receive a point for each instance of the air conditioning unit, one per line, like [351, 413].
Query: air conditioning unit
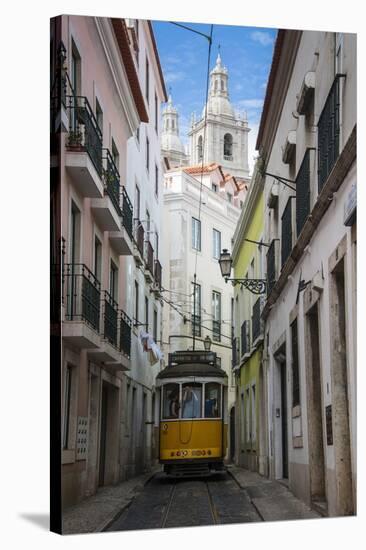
[306, 93]
[273, 195]
[288, 150]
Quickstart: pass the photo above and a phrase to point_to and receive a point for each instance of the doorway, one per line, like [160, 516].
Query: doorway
[315, 409]
[103, 434]
[232, 434]
[108, 442]
[284, 429]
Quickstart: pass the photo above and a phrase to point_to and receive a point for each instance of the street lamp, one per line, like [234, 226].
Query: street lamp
[256, 286]
[207, 343]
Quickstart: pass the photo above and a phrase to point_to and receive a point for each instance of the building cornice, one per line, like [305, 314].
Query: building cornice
[255, 189]
[156, 53]
[284, 56]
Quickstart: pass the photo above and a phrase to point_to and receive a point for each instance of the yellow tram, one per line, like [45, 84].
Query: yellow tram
[193, 413]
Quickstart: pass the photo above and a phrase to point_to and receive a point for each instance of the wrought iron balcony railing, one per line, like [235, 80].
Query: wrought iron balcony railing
[196, 325]
[150, 257]
[139, 236]
[82, 295]
[84, 132]
[157, 273]
[111, 181]
[328, 133]
[257, 324]
[56, 281]
[244, 333]
[110, 321]
[303, 193]
[271, 266]
[216, 331]
[286, 233]
[127, 213]
[236, 354]
[125, 324]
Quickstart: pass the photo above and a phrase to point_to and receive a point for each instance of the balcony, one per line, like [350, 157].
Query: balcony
[83, 158]
[303, 193]
[107, 210]
[122, 240]
[328, 134]
[228, 157]
[157, 275]
[149, 259]
[125, 334]
[257, 323]
[139, 239]
[216, 331]
[271, 266]
[244, 333]
[286, 233]
[82, 303]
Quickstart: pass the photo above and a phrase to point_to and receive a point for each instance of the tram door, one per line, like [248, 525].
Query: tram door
[232, 434]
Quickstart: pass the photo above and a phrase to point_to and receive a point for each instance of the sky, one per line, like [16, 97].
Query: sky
[245, 51]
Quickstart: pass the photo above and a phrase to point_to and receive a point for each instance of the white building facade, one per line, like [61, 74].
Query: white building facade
[307, 135]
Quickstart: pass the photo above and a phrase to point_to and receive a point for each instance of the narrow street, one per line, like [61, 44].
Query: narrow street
[219, 499]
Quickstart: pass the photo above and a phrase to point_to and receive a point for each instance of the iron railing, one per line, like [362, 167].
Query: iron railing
[125, 325]
[84, 132]
[235, 348]
[57, 270]
[82, 295]
[112, 181]
[271, 266]
[139, 236]
[244, 333]
[196, 325]
[150, 257]
[328, 134]
[286, 234]
[257, 325]
[157, 273]
[127, 213]
[110, 324]
[303, 193]
[216, 331]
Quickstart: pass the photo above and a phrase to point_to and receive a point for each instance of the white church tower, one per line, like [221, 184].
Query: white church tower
[171, 145]
[226, 140]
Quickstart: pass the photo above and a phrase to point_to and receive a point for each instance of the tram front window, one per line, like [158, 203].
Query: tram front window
[212, 400]
[191, 400]
[171, 401]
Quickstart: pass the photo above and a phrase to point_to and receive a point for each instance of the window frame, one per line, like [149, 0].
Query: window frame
[216, 253]
[196, 230]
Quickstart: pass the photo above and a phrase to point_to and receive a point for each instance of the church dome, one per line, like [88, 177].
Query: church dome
[218, 100]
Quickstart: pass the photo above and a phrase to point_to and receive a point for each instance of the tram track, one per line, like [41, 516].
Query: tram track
[212, 505]
[169, 505]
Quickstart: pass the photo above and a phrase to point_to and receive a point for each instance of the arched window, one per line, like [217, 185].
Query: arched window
[222, 85]
[173, 124]
[228, 146]
[215, 87]
[200, 148]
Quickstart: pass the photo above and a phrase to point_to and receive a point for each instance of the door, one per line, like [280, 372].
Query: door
[103, 435]
[284, 421]
[232, 434]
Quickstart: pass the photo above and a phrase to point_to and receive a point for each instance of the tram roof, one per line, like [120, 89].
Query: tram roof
[191, 369]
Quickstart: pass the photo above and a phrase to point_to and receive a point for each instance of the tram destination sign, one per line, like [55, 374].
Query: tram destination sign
[183, 357]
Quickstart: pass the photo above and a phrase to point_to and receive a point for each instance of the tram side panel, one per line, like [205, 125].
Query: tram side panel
[192, 439]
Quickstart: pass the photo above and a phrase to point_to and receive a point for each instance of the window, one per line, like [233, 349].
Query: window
[115, 154]
[200, 148]
[156, 245]
[156, 180]
[196, 234]
[212, 400]
[196, 309]
[136, 303]
[113, 281]
[75, 233]
[229, 197]
[146, 314]
[214, 187]
[247, 415]
[67, 407]
[216, 243]
[155, 325]
[228, 146]
[171, 403]
[97, 258]
[216, 312]
[156, 112]
[148, 224]
[138, 134]
[191, 400]
[147, 154]
[147, 76]
[136, 207]
[286, 232]
[75, 71]
[295, 366]
[99, 115]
